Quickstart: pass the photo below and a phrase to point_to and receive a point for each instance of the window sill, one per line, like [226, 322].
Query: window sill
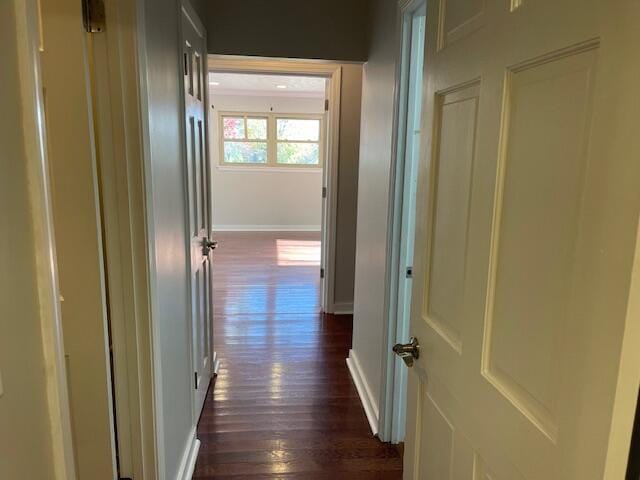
[253, 168]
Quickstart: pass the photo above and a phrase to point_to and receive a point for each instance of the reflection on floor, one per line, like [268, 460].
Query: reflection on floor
[283, 405]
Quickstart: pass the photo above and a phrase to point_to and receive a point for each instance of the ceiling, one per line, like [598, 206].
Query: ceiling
[257, 84]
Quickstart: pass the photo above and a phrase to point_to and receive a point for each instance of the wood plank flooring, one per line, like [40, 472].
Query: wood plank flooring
[283, 405]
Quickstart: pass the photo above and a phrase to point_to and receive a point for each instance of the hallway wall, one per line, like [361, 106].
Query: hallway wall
[331, 29]
[373, 197]
[348, 164]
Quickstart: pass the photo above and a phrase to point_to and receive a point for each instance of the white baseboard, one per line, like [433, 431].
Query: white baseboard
[216, 364]
[343, 308]
[369, 402]
[189, 457]
[266, 228]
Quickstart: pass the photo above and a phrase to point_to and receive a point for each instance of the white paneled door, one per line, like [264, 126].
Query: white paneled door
[198, 200]
[527, 216]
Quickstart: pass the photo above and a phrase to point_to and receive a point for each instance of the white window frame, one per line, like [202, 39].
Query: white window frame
[272, 140]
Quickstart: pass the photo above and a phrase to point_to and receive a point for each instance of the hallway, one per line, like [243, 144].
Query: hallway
[283, 405]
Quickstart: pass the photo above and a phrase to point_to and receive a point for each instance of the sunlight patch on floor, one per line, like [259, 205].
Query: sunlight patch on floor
[298, 253]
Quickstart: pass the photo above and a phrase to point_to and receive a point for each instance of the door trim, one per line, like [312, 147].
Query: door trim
[333, 72]
[121, 103]
[394, 391]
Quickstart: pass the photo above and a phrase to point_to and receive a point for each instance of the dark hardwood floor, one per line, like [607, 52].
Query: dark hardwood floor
[283, 405]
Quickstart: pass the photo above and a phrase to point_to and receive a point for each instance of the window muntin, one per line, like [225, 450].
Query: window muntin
[271, 140]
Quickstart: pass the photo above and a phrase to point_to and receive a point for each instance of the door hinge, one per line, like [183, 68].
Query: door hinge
[409, 272]
[324, 192]
[321, 272]
[93, 15]
[195, 380]
[326, 105]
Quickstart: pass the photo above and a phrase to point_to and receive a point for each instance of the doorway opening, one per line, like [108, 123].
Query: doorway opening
[282, 380]
[268, 151]
[408, 130]
[299, 103]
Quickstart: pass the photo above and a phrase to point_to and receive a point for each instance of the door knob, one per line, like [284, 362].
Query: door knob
[408, 352]
[208, 245]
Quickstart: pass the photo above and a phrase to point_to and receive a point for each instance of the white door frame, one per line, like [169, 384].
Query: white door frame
[394, 374]
[333, 72]
[119, 60]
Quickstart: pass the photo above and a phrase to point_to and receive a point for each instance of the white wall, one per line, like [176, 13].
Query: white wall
[373, 197]
[263, 198]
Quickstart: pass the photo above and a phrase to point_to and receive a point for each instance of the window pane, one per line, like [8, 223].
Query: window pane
[299, 153]
[298, 129]
[245, 152]
[257, 128]
[233, 127]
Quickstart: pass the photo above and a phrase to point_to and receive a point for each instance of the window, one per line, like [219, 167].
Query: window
[298, 141]
[272, 140]
[245, 139]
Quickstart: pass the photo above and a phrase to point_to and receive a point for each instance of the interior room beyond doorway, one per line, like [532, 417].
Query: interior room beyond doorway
[268, 150]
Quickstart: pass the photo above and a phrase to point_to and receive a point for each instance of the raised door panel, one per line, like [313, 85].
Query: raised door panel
[459, 18]
[453, 168]
[540, 189]
[446, 452]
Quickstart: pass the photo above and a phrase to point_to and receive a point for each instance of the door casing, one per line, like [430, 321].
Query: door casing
[394, 376]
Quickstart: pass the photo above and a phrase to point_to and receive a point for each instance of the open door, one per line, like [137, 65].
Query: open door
[67, 59]
[527, 219]
[198, 199]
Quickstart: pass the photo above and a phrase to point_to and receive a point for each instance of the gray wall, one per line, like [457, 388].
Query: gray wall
[25, 437]
[327, 29]
[373, 193]
[350, 104]
[163, 167]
